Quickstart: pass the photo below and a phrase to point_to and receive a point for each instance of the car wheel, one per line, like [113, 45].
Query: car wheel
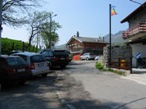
[87, 58]
[50, 67]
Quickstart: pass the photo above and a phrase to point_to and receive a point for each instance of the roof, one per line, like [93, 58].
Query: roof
[134, 12]
[88, 39]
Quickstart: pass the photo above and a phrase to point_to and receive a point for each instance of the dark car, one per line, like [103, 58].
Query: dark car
[13, 69]
[56, 57]
[37, 63]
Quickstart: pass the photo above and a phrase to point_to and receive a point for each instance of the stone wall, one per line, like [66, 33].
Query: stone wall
[118, 53]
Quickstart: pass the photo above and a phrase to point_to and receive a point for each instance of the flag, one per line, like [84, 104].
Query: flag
[113, 12]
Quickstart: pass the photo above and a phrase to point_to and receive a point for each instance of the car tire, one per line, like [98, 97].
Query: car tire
[87, 58]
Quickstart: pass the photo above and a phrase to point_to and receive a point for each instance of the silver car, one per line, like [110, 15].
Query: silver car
[87, 56]
[37, 63]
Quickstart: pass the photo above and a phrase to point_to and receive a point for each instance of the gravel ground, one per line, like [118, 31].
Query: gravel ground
[39, 93]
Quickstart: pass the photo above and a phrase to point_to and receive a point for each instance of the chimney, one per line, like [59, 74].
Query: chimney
[77, 34]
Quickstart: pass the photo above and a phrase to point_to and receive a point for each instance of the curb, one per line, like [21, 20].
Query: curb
[64, 102]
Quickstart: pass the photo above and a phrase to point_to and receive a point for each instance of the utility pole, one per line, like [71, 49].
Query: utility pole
[50, 43]
[1, 3]
[51, 16]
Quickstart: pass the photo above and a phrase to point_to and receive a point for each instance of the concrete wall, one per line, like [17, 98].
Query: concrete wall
[138, 48]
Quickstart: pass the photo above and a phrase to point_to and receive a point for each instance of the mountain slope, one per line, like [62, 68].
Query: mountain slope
[116, 39]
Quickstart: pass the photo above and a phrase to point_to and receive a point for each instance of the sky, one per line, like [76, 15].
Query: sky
[89, 17]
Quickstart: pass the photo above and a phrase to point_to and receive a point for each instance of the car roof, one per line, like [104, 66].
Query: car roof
[7, 56]
[27, 53]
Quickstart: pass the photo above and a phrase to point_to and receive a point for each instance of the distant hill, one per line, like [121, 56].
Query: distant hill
[116, 39]
[61, 47]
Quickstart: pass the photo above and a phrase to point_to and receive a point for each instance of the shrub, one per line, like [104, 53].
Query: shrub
[99, 66]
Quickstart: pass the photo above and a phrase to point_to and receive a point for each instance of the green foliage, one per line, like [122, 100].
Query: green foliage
[9, 44]
[99, 66]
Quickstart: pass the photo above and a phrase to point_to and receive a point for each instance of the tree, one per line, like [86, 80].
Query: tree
[42, 25]
[49, 34]
[15, 12]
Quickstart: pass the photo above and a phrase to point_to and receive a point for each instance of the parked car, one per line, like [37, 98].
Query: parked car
[87, 56]
[13, 69]
[69, 55]
[56, 58]
[97, 57]
[37, 63]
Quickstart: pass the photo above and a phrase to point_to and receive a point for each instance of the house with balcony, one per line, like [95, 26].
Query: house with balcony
[78, 45]
[135, 35]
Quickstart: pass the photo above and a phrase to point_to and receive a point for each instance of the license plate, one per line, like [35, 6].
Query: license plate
[20, 70]
[41, 64]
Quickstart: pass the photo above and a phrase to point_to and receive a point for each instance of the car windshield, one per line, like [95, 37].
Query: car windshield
[60, 52]
[15, 61]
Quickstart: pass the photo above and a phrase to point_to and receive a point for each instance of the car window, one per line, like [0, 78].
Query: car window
[24, 57]
[61, 52]
[20, 61]
[38, 58]
[47, 53]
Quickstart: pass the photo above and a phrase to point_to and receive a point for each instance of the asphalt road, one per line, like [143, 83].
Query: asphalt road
[107, 88]
[79, 86]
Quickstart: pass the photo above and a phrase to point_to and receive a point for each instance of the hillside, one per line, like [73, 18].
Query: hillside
[116, 39]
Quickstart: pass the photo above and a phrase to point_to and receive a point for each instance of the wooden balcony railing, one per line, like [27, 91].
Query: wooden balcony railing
[139, 28]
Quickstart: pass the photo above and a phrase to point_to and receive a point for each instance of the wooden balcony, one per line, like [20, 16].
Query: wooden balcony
[135, 32]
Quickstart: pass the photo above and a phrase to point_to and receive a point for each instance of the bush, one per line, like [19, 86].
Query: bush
[99, 66]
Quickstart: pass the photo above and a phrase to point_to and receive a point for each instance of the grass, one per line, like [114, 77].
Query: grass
[99, 66]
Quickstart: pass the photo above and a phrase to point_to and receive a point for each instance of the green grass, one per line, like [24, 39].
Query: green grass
[99, 66]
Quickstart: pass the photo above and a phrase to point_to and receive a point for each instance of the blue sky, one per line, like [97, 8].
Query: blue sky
[89, 17]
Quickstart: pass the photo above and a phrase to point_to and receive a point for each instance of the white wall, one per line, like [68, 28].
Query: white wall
[138, 48]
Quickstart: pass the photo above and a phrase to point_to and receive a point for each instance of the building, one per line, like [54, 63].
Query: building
[136, 33]
[79, 45]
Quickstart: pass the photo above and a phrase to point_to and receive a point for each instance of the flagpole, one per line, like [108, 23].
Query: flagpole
[109, 35]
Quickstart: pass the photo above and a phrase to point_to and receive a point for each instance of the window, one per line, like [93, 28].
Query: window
[38, 58]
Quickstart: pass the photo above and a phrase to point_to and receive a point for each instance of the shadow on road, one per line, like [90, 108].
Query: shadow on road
[38, 93]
